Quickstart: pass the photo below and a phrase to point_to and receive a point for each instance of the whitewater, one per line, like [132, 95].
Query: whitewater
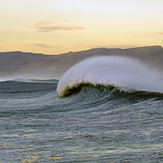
[123, 72]
[113, 112]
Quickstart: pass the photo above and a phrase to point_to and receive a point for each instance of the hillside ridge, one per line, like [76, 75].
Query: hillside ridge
[36, 65]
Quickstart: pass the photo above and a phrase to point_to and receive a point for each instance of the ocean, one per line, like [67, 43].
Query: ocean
[86, 116]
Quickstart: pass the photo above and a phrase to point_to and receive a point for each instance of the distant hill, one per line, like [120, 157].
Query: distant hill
[53, 66]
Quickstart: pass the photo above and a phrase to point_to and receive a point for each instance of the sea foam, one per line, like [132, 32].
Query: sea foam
[123, 72]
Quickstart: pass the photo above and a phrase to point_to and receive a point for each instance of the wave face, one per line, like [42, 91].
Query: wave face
[120, 72]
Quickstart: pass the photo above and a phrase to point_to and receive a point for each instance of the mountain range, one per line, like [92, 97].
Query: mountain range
[33, 65]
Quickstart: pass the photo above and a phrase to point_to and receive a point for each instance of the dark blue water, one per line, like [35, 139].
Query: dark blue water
[97, 125]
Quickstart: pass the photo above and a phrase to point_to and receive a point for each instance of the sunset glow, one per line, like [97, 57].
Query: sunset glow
[59, 26]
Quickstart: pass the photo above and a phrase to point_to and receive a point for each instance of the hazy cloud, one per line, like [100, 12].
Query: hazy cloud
[42, 45]
[47, 26]
[66, 20]
[161, 33]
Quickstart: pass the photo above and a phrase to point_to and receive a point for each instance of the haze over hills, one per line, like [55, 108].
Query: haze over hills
[32, 65]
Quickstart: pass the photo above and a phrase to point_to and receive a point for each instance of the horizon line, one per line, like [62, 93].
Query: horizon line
[83, 50]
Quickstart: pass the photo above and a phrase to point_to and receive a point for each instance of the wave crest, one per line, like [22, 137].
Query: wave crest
[117, 71]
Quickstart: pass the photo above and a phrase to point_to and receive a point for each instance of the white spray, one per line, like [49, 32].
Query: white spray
[119, 71]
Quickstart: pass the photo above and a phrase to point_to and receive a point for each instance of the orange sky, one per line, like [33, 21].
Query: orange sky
[58, 26]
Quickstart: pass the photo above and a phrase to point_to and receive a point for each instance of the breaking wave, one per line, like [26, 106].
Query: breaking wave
[17, 79]
[114, 72]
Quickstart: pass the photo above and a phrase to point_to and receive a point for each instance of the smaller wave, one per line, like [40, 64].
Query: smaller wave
[23, 79]
[5, 80]
[119, 72]
[17, 78]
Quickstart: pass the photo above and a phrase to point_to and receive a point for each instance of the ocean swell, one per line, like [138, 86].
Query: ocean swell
[123, 73]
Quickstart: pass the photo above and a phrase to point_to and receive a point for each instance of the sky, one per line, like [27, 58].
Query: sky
[60, 26]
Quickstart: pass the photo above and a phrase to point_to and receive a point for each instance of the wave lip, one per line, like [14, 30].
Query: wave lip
[118, 71]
